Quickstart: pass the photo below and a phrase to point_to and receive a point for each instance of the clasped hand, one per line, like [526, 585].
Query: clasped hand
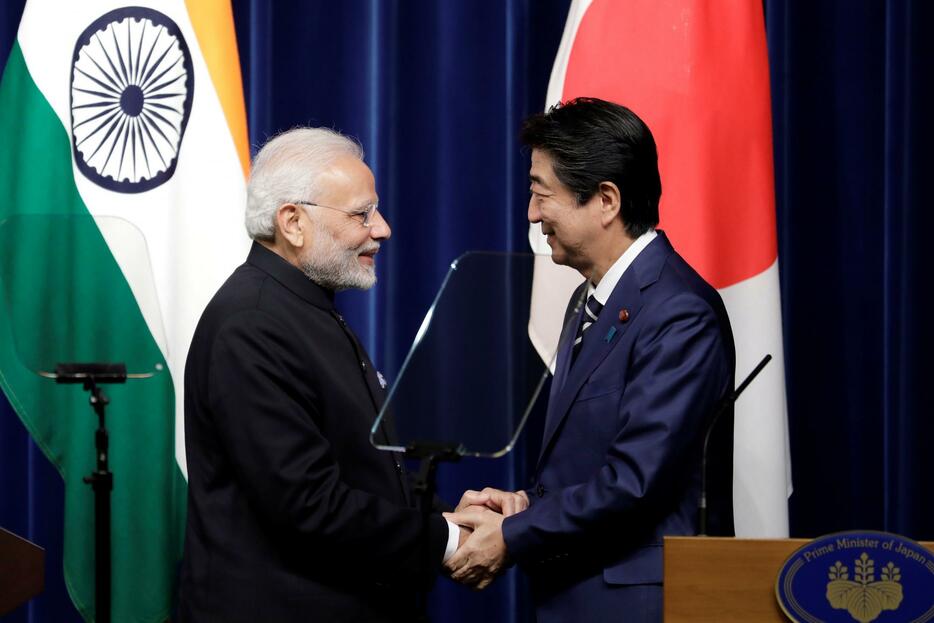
[481, 554]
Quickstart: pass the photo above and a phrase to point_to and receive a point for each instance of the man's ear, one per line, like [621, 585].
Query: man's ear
[610, 202]
[289, 224]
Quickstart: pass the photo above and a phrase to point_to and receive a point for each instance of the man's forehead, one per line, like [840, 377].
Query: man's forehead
[349, 167]
[349, 177]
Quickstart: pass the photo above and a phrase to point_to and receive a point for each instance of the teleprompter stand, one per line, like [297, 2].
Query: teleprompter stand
[92, 375]
[429, 454]
[464, 388]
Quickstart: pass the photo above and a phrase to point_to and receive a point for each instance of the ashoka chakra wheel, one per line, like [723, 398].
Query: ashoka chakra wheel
[131, 91]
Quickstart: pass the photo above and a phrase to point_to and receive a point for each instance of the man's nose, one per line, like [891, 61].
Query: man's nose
[379, 227]
[535, 215]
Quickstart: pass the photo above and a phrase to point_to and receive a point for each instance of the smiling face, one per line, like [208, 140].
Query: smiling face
[570, 228]
[339, 252]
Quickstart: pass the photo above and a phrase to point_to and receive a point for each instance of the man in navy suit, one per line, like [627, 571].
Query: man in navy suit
[644, 360]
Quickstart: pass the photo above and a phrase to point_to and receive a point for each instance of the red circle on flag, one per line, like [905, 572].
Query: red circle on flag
[697, 74]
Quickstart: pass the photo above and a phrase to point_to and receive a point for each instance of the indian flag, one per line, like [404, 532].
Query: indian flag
[697, 72]
[122, 186]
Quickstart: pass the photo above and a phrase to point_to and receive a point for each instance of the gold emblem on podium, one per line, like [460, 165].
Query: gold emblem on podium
[864, 597]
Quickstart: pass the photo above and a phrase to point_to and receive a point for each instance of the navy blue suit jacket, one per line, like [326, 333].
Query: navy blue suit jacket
[620, 460]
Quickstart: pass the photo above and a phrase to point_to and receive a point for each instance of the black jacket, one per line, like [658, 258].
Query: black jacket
[292, 514]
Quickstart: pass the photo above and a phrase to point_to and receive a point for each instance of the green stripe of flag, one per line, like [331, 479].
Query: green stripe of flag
[48, 255]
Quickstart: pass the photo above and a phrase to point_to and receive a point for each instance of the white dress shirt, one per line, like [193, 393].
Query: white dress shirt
[605, 288]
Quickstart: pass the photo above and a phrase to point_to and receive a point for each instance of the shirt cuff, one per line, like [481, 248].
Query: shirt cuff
[454, 537]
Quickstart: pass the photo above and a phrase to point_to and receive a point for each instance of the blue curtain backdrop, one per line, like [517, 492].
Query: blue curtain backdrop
[436, 92]
[851, 102]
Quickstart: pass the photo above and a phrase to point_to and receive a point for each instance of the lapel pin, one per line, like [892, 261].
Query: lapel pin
[609, 335]
[624, 315]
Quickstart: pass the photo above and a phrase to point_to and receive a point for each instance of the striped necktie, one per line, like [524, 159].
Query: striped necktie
[591, 311]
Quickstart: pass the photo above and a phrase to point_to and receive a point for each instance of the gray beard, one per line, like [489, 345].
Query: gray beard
[336, 268]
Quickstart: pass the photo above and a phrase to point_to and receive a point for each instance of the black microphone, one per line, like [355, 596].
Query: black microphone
[726, 403]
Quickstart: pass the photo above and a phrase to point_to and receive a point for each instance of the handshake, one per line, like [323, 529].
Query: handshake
[481, 550]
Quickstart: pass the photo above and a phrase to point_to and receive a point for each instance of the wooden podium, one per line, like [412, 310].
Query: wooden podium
[724, 580]
[22, 571]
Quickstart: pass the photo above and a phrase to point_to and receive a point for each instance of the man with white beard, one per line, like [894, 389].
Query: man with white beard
[292, 514]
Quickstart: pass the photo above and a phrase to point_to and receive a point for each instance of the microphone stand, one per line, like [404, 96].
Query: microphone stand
[726, 403]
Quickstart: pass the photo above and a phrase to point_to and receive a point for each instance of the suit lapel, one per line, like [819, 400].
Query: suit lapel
[563, 356]
[565, 343]
[602, 337]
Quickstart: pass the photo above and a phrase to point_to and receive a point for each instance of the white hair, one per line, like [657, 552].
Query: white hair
[286, 169]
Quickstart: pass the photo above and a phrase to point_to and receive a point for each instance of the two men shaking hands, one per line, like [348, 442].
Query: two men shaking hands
[294, 514]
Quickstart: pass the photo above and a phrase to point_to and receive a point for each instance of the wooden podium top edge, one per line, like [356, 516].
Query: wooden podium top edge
[7, 536]
[677, 540]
